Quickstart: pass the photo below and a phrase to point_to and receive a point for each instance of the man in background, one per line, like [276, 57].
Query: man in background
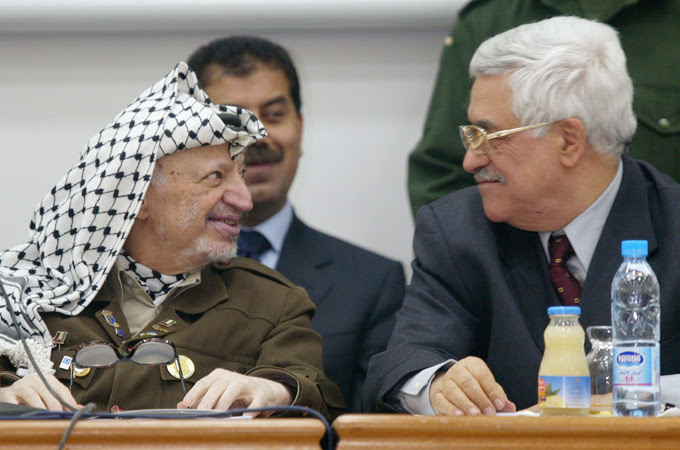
[650, 37]
[356, 292]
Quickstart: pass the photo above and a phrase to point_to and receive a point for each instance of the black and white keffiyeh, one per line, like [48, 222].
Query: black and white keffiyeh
[157, 285]
[79, 228]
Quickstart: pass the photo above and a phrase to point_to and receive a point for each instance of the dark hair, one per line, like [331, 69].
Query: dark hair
[240, 56]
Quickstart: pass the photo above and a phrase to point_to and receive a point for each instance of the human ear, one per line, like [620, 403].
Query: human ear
[301, 127]
[574, 140]
[143, 212]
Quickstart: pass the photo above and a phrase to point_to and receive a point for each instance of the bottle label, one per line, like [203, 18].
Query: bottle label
[563, 392]
[636, 366]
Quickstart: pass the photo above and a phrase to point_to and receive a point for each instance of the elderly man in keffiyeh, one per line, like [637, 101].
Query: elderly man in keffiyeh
[135, 243]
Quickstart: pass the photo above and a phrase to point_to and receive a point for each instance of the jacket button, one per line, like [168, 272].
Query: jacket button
[186, 364]
[664, 123]
[81, 372]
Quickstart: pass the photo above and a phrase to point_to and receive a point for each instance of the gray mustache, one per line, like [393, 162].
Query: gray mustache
[485, 174]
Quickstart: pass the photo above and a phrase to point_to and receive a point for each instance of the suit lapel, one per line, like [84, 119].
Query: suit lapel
[620, 225]
[304, 259]
[528, 279]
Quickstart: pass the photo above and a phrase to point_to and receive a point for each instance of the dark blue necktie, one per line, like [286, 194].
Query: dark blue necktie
[251, 244]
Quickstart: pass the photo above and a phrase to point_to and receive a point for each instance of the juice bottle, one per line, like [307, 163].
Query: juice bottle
[564, 378]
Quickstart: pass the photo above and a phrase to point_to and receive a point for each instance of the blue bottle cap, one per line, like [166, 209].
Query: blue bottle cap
[555, 310]
[633, 248]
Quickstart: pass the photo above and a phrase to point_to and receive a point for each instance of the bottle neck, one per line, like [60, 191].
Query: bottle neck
[564, 320]
[635, 258]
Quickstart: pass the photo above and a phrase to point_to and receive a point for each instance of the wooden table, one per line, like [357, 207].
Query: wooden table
[166, 434]
[381, 431]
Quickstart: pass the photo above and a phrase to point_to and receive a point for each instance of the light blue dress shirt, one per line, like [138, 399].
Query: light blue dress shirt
[275, 230]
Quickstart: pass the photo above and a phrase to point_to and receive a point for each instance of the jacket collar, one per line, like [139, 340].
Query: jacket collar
[194, 299]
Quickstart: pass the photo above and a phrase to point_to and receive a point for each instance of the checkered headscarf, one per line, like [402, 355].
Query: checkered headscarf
[79, 228]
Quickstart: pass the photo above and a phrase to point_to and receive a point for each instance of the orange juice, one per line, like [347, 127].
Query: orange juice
[563, 377]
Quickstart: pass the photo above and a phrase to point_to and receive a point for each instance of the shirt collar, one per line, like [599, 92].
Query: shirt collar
[276, 227]
[584, 231]
[120, 274]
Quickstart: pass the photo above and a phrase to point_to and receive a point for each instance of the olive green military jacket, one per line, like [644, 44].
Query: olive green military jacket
[650, 36]
[243, 317]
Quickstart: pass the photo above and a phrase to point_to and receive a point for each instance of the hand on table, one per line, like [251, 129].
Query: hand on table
[31, 391]
[223, 390]
[468, 388]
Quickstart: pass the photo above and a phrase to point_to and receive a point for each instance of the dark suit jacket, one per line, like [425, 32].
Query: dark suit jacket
[481, 288]
[357, 294]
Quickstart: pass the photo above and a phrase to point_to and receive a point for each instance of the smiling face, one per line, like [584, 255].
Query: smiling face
[191, 211]
[271, 163]
[520, 178]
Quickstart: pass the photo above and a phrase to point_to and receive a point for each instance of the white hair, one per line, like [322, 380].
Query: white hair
[565, 67]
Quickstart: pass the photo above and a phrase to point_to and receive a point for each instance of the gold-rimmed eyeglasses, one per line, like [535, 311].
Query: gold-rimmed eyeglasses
[477, 139]
[151, 352]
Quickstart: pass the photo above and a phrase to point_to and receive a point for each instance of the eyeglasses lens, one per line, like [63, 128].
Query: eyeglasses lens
[154, 353]
[475, 137]
[96, 355]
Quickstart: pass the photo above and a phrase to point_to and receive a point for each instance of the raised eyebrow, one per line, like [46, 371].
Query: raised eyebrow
[278, 100]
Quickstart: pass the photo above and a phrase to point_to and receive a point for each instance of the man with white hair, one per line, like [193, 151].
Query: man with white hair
[550, 114]
[130, 260]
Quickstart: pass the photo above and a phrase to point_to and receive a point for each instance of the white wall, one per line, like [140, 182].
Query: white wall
[366, 80]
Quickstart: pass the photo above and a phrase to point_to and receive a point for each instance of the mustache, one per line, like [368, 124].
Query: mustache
[485, 174]
[226, 211]
[262, 154]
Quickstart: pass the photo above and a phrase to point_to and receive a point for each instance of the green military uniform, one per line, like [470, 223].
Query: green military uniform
[650, 36]
[242, 317]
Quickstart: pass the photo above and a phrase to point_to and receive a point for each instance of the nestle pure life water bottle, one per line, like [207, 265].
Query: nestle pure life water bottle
[635, 328]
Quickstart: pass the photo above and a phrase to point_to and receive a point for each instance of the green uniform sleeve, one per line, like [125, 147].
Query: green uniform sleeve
[435, 165]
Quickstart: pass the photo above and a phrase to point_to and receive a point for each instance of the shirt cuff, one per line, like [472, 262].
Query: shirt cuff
[414, 395]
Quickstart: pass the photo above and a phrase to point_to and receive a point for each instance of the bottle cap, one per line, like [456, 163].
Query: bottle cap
[633, 248]
[563, 310]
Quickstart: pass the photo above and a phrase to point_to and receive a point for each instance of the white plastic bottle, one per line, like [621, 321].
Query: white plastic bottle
[563, 377]
[635, 329]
